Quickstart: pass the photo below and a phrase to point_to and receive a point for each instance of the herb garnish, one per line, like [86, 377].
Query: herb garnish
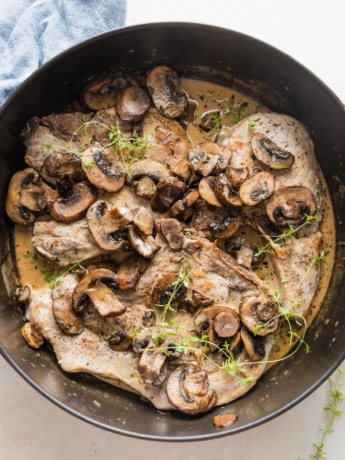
[56, 277]
[288, 233]
[337, 397]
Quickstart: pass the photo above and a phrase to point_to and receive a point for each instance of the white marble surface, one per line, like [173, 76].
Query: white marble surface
[32, 427]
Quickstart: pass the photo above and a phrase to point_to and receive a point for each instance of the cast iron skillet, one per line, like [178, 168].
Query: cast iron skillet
[236, 60]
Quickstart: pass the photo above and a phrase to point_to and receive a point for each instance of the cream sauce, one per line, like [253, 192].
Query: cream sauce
[208, 96]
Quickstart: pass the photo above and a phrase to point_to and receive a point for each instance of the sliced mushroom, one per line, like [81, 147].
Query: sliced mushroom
[144, 244]
[259, 314]
[59, 165]
[237, 176]
[209, 158]
[150, 168]
[183, 208]
[24, 197]
[152, 365]
[162, 83]
[188, 305]
[32, 336]
[25, 294]
[254, 345]
[102, 170]
[188, 389]
[80, 298]
[182, 169]
[101, 93]
[132, 104]
[168, 191]
[244, 251]
[165, 290]
[73, 205]
[236, 343]
[225, 226]
[188, 114]
[120, 341]
[144, 221]
[107, 225]
[291, 205]
[104, 300]
[201, 299]
[128, 274]
[145, 187]
[257, 188]
[206, 191]
[270, 154]
[209, 120]
[172, 232]
[226, 192]
[65, 316]
[227, 324]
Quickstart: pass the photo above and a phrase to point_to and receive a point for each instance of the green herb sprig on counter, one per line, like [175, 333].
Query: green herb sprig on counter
[337, 397]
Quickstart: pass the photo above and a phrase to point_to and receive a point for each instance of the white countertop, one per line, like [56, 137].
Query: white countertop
[312, 32]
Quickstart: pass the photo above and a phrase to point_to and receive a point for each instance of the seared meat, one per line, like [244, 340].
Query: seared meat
[65, 243]
[179, 310]
[170, 143]
[70, 132]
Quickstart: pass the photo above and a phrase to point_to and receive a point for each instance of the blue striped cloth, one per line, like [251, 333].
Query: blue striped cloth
[33, 31]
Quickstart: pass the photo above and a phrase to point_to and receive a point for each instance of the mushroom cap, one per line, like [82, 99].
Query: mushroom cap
[257, 188]
[101, 93]
[107, 224]
[165, 291]
[188, 389]
[259, 314]
[32, 336]
[144, 221]
[290, 205]
[145, 245]
[172, 232]
[102, 170]
[270, 154]
[236, 176]
[162, 82]
[152, 364]
[74, 206]
[24, 197]
[65, 316]
[229, 323]
[80, 297]
[226, 192]
[168, 191]
[254, 345]
[60, 165]
[209, 158]
[225, 226]
[128, 274]
[104, 300]
[153, 169]
[206, 191]
[132, 104]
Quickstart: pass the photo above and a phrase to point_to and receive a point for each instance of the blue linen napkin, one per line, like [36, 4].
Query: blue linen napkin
[33, 31]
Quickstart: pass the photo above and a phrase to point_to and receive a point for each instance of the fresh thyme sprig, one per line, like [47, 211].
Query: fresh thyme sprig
[183, 278]
[285, 315]
[337, 397]
[56, 277]
[127, 150]
[287, 233]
